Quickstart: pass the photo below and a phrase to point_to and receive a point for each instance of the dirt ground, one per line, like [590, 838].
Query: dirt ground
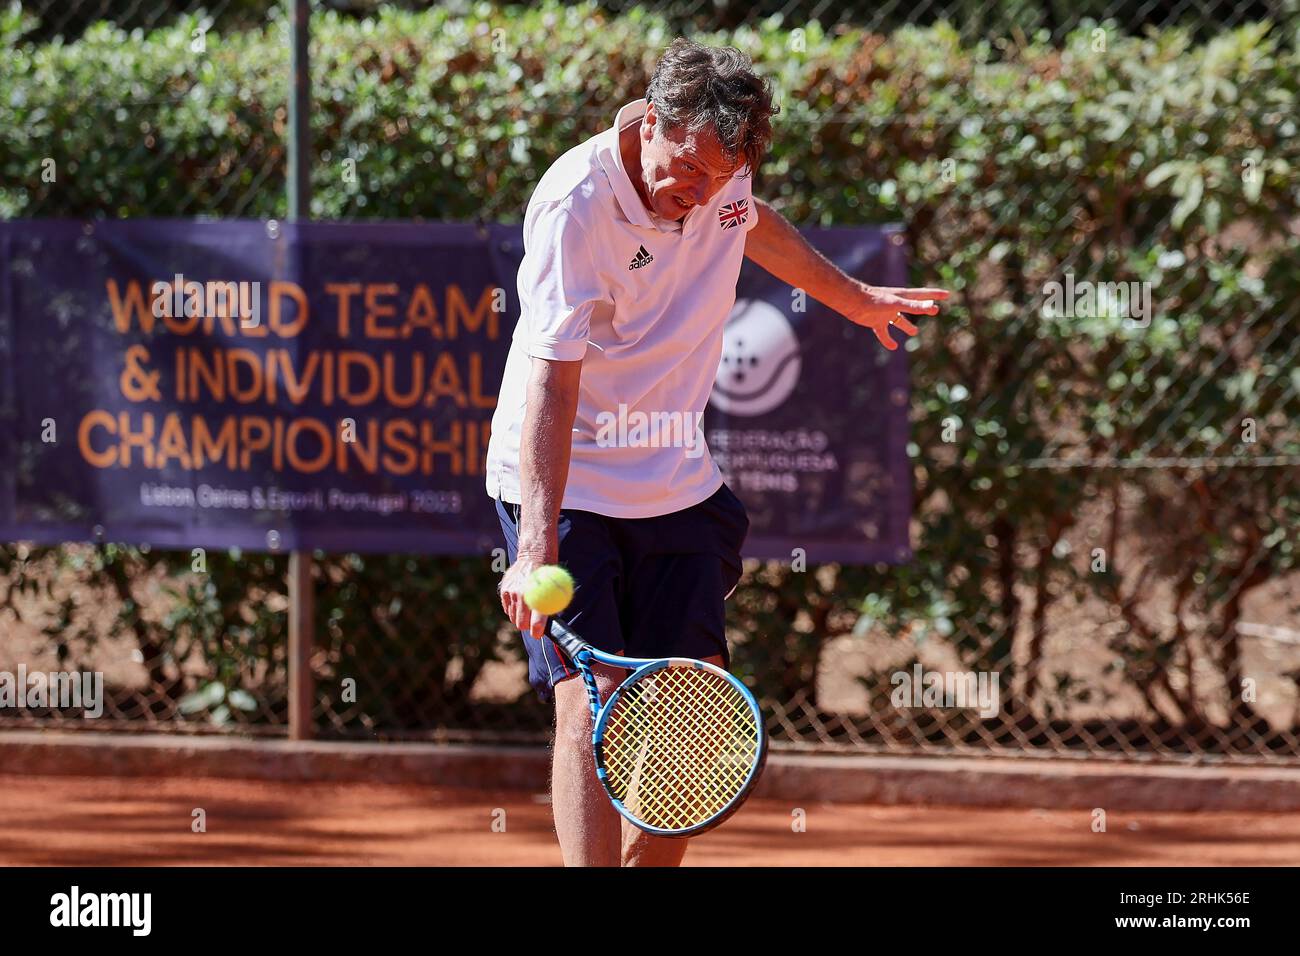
[110, 821]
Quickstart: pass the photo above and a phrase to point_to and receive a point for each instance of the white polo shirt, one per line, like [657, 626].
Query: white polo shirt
[642, 302]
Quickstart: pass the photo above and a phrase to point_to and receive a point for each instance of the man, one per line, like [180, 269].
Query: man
[633, 245]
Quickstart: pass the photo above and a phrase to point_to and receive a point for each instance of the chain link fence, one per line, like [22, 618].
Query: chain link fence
[1107, 494]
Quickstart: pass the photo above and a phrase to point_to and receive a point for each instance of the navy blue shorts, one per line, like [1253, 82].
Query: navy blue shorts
[645, 587]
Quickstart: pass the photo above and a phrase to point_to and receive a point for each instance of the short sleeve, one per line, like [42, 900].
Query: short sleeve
[559, 285]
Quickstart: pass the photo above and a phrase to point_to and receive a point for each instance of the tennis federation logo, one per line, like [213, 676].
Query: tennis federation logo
[760, 363]
[733, 214]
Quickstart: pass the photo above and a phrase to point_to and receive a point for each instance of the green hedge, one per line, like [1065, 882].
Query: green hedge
[1153, 159]
[978, 18]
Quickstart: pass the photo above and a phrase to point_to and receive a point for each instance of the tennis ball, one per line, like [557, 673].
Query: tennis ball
[549, 589]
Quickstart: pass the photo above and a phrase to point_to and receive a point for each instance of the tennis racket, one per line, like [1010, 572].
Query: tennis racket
[679, 744]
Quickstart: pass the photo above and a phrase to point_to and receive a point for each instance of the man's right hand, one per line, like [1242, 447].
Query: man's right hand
[512, 594]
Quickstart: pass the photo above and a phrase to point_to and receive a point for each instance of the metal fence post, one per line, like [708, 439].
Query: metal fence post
[302, 623]
[302, 612]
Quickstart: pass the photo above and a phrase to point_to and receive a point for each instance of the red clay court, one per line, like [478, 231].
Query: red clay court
[111, 821]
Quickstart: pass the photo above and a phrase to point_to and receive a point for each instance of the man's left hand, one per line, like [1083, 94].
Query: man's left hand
[881, 308]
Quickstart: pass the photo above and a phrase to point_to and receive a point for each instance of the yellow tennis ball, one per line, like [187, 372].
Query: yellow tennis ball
[549, 589]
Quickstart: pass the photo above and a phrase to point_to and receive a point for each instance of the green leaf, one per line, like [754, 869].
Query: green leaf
[202, 699]
[1190, 201]
[242, 700]
[1164, 171]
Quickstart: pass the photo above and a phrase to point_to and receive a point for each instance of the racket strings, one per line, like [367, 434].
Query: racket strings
[679, 746]
[697, 761]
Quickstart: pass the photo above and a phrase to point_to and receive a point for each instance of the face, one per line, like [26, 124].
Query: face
[681, 170]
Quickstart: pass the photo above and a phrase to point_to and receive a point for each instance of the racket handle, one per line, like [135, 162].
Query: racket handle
[573, 645]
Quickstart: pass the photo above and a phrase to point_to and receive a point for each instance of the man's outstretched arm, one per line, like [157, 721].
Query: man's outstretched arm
[779, 248]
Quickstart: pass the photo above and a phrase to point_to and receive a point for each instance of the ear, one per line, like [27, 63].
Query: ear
[648, 123]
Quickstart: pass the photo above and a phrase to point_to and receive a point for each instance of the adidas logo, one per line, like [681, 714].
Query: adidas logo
[641, 259]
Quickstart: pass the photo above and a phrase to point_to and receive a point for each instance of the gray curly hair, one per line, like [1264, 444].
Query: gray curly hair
[696, 86]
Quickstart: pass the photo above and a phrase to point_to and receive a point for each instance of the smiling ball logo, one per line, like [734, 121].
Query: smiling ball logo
[760, 360]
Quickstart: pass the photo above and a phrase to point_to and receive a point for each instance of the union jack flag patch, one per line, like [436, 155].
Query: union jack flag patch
[733, 214]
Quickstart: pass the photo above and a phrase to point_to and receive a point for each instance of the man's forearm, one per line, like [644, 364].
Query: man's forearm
[781, 249]
[545, 447]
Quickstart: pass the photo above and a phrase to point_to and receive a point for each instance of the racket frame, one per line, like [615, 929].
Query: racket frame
[582, 654]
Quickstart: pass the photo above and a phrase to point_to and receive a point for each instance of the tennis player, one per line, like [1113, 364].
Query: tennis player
[633, 244]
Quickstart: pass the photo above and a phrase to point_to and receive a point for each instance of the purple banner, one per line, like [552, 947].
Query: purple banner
[328, 385]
